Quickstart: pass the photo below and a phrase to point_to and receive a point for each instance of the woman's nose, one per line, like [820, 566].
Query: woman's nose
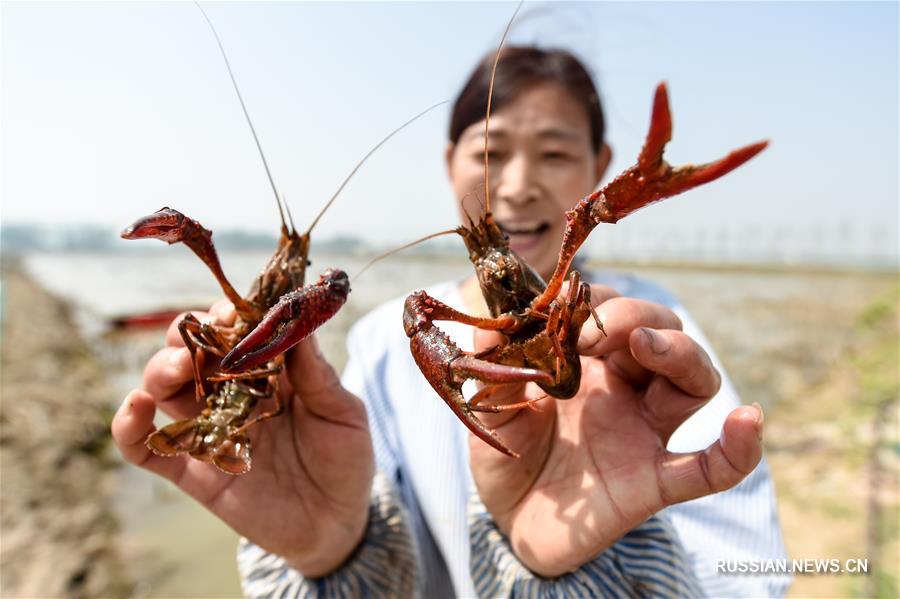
[516, 184]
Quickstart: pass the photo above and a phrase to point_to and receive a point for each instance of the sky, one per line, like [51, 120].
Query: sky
[109, 111]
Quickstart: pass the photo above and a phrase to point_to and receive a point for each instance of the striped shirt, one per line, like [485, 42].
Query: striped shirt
[422, 449]
[648, 561]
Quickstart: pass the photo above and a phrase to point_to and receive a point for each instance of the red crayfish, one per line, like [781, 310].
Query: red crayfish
[542, 329]
[278, 313]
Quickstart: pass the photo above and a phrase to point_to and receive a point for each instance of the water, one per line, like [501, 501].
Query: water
[776, 332]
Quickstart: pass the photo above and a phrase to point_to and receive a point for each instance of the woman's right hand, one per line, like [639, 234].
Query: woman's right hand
[306, 497]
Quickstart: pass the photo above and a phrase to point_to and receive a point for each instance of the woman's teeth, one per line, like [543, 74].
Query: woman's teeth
[523, 237]
[524, 228]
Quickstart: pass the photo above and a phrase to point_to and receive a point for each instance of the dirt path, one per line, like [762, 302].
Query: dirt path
[58, 530]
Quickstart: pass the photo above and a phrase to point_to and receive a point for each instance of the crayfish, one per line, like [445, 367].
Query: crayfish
[278, 313]
[541, 328]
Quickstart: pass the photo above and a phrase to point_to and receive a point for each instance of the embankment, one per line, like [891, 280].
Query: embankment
[58, 529]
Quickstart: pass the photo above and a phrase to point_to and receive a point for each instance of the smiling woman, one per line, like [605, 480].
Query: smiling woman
[545, 146]
[594, 470]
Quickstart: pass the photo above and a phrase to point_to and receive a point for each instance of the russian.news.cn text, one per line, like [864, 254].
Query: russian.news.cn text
[802, 566]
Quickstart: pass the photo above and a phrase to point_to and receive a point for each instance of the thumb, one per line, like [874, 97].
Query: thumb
[720, 466]
[315, 381]
[486, 340]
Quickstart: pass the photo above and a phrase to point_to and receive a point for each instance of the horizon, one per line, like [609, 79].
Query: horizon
[111, 110]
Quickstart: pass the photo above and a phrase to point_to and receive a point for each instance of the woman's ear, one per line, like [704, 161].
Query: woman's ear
[601, 163]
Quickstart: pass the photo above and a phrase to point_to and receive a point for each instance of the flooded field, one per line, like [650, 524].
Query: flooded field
[780, 333]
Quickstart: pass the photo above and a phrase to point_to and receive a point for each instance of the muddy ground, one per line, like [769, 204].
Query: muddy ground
[826, 366]
[58, 531]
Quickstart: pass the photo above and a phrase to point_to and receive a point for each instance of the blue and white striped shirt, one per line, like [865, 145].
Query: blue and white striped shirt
[422, 449]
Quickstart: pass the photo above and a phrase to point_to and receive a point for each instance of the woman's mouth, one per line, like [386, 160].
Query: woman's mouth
[523, 236]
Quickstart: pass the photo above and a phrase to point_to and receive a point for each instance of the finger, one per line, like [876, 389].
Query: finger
[131, 425]
[602, 293]
[168, 379]
[666, 407]
[223, 313]
[316, 382]
[485, 340]
[677, 357]
[721, 466]
[620, 316]
[677, 372]
[599, 293]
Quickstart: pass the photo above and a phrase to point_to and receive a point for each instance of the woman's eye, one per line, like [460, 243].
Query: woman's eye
[491, 154]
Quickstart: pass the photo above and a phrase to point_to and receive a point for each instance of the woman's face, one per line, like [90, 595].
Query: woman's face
[540, 164]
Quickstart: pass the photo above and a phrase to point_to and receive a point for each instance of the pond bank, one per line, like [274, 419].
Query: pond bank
[59, 532]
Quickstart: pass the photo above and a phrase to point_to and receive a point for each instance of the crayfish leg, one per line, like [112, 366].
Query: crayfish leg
[279, 408]
[250, 374]
[486, 392]
[471, 367]
[196, 334]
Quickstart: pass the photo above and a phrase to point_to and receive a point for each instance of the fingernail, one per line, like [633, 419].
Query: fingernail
[125, 408]
[659, 343]
[176, 358]
[760, 420]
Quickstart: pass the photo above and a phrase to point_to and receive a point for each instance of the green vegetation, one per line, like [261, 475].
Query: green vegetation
[833, 449]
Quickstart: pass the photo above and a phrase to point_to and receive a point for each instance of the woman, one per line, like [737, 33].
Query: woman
[593, 468]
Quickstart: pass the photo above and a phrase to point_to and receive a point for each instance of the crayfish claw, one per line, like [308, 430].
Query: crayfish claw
[686, 177]
[660, 133]
[465, 367]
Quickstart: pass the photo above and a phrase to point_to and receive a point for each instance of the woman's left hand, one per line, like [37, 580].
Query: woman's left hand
[595, 466]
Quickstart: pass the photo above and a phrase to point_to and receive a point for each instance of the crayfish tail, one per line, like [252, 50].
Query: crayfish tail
[176, 438]
[233, 455]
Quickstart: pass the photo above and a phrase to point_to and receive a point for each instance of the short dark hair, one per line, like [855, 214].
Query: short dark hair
[521, 68]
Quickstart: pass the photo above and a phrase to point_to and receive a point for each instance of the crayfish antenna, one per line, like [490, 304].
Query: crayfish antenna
[487, 114]
[287, 209]
[246, 113]
[366, 157]
[399, 249]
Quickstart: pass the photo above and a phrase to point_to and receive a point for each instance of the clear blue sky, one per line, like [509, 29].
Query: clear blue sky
[112, 110]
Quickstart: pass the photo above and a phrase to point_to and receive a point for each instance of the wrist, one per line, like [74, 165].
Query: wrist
[338, 544]
[384, 564]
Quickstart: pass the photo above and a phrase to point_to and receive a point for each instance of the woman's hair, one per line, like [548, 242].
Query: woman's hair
[521, 68]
